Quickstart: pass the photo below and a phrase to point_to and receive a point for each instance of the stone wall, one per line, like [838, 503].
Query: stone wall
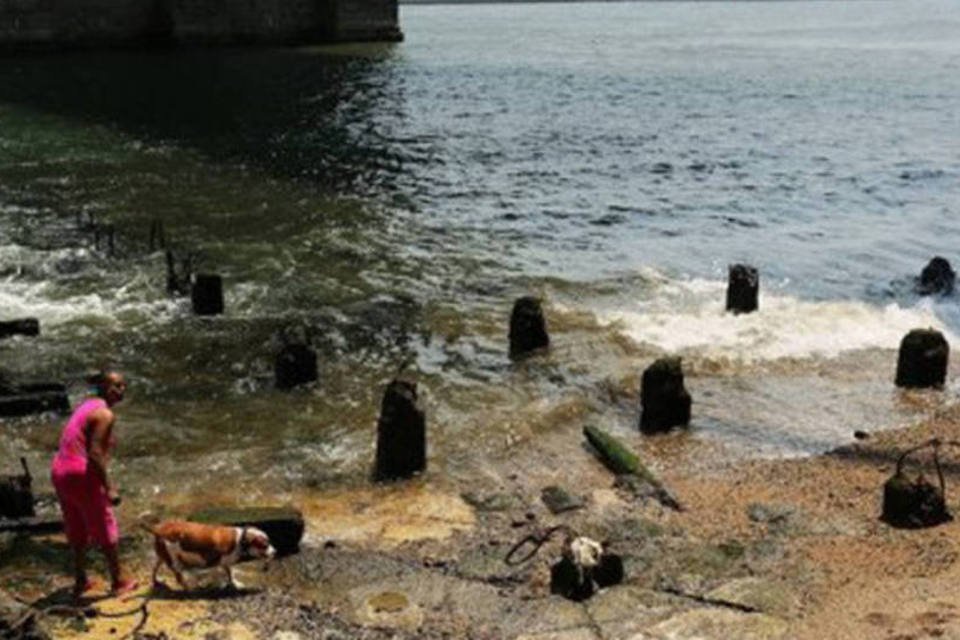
[28, 24]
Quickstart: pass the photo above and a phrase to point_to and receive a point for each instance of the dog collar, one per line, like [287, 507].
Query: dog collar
[244, 545]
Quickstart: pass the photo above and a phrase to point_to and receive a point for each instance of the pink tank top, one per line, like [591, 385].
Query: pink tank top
[72, 455]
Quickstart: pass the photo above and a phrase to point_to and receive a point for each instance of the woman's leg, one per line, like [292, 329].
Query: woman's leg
[81, 583]
[70, 495]
[104, 530]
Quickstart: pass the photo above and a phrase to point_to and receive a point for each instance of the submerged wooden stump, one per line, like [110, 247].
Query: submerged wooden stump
[207, 294]
[743, 288]
[664, 401]
[296, 364]
[938, 277]
[20, 327]
[528, 327]
[913, 504]
[401, 433]
[922, 361]
[283, 525]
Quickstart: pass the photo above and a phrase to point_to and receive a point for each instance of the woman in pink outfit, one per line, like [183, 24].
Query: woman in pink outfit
[84, 489]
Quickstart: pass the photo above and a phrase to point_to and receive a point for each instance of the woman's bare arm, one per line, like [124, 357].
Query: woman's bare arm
[100, 425]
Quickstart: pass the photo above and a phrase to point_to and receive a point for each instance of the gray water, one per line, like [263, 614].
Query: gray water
[391, 201]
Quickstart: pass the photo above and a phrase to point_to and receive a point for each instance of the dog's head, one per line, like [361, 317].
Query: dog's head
[585, 552]
[256, 544]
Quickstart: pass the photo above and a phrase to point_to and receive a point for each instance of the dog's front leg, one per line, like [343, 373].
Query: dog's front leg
[154, 582]
[234, 584]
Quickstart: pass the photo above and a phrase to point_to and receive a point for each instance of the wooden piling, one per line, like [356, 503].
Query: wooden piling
[401, 433]
[743, 289]
[206, 294]
[528, 328]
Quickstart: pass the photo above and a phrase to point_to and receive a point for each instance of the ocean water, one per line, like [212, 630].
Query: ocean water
[391, 201]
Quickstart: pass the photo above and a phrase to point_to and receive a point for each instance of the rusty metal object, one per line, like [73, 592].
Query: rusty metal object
[916, 502]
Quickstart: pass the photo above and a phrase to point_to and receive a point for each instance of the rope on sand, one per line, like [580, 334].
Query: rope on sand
[18, 630]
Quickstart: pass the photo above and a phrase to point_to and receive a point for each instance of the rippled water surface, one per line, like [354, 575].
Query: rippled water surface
[389, 202]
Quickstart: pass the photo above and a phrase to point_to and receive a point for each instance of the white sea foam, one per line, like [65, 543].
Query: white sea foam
[689, 316]
[30, 287]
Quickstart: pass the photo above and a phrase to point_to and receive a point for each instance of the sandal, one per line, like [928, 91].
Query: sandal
[123, 587]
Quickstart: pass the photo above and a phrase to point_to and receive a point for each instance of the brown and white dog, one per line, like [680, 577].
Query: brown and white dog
[185, 546]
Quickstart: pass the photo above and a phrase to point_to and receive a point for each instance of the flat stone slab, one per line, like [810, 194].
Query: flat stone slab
[718, 624]
[559, 500]
[580, 633]
[762, 595]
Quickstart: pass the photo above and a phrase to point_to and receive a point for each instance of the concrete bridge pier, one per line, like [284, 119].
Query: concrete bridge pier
[66, 24]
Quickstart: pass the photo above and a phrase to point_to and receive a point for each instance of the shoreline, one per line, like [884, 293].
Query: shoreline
[764, 549]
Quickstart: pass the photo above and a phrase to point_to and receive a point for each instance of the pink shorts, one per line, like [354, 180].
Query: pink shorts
[87, 515]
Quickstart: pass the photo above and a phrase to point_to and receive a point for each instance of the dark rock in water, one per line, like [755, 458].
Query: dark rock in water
[207, 294]
[18, 621]
[16, 494]
[664, 401]
[558, 500]
[401, 433]
[296, 364]
[22, 403]
[861, 435]
[283, 525]
[743, 288]
[21, 327]
[938, 277]
[528, 328]
[923, 359]
[913, 504]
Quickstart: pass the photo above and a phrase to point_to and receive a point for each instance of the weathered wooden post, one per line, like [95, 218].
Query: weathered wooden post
[173, 282]
[528, 327]
[158, 239]
[664, 401]
[743, 288]
[401, 433]
[207, 294]
[938, 277]
[296, 364]
[922, 361]
[20, 327]
[24, 399]
[107, 233]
